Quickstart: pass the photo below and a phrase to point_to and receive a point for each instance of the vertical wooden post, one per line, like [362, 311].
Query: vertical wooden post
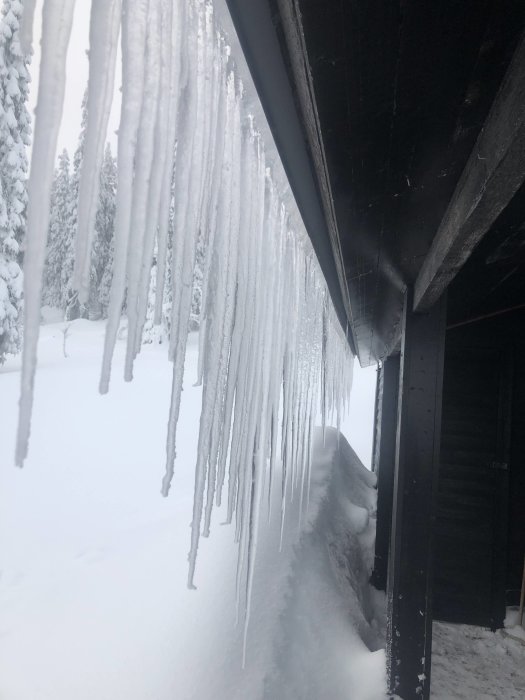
[409, 591]
[501, 488]
[384, 463]
[522, 595]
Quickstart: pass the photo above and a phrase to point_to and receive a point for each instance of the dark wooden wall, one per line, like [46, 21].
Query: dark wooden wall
[473, 490]
[480, 524]
[516, 543]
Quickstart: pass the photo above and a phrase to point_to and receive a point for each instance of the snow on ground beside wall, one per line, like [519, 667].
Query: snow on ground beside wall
[93, 561]
[473, 663]
[331, 612]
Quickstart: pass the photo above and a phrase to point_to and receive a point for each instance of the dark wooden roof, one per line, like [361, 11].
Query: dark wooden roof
[389, 99]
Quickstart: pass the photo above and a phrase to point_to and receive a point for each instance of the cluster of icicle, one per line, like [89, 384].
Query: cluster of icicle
[273, 357]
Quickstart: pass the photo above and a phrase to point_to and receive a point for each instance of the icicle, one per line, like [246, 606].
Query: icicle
[236, 384]
[134, 23]
[271, 350]
[253, 526]
[245, 403]
[241, 243]
[56, 29]
[188, 156]
[103, 37]
[251, 488]
[172, 430]
[141, 182]
[265, 282]
[214, 173]
[226, 250]
[222, 320]
[278, 355]
[323, 369]
[178, 78]
[158, 172]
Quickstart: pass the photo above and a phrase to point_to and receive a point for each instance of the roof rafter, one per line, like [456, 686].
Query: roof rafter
[493, 174]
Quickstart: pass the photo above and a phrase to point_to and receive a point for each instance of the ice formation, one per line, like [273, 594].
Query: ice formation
[273, 356]
[103, 38]
[56, 29]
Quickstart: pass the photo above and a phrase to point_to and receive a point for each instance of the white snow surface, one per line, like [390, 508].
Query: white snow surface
[93, 561]
[473, 663]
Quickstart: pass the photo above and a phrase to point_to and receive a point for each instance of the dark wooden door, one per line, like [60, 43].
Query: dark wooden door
[470, 537]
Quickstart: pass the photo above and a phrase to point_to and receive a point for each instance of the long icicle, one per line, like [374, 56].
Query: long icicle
[103, 37]
[142, 178]
[158, 173]
[186, 121]
[190, 155]
[134, 23]
[56, 29]
[178, 73]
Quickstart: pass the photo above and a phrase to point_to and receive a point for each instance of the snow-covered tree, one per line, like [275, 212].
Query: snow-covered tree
[103, 244]
[62, 228]
[151, 332]
[198, 276]
[14, 138]
[57, 273]
[73, 308]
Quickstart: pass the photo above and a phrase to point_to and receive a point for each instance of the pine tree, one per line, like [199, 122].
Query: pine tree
[167, 301]
[152, 333]
[57, 274]
[14, 138]
[73, 308]
[198, 276]
[103, 244]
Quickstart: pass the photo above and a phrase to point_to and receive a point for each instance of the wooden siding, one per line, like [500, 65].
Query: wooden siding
[516, 544]
[480, 525]
[470, 494]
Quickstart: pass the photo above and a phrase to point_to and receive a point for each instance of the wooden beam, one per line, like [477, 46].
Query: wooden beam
[384, 462]
[494, 172]
[410, 576]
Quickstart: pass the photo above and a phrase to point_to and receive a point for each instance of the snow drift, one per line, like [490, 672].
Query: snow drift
[93, 597]
[330, 642]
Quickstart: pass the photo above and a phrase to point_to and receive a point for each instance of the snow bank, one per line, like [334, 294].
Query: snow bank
[330, 641]
[93, 561]
[473, 663]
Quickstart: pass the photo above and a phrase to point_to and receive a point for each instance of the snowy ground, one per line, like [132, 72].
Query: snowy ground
[93, 597]
[471, 663]
[93, 565]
